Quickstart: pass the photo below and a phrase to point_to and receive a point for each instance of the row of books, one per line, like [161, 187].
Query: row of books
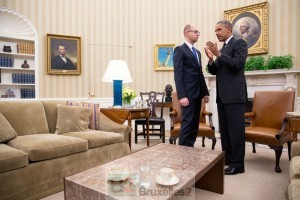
[27, 93]
[6, 61]
[23, 78]
[25, 48]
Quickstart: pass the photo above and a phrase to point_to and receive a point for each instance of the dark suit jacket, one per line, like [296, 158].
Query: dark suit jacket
[229, 71]
[58, 63]
[188, 75]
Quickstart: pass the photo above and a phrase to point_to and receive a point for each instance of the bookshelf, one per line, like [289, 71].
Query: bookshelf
[17, 81]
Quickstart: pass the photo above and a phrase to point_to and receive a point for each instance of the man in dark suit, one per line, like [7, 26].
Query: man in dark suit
[61, 61]
[190, 85]
[231, 94]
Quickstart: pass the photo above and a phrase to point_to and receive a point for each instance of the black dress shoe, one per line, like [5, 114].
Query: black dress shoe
[233, 171]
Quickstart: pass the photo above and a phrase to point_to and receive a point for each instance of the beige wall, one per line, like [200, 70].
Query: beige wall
[108, 29]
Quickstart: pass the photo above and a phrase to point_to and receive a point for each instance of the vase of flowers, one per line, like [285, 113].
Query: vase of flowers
[127, 95]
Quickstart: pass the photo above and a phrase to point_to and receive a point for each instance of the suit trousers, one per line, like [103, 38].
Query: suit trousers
[190, 116]
[232, 130]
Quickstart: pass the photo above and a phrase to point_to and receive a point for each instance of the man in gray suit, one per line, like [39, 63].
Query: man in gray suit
[190, 85]
[231, 93]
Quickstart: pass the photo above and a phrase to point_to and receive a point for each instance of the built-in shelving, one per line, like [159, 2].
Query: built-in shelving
[17, 33]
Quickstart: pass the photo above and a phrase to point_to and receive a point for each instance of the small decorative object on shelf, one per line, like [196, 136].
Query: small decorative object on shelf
[8, 94]
[127, 95]
[25, 65]
[7, 49]
[168, 90]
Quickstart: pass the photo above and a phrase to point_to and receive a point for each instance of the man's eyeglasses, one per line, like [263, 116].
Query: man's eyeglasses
[195, 31]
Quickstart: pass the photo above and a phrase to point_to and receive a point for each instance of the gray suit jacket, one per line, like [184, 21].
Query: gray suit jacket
[229, 71]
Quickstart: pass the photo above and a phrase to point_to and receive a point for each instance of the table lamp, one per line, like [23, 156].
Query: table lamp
[118, 73]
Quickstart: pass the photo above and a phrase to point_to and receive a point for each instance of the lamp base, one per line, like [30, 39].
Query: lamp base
[117, 92]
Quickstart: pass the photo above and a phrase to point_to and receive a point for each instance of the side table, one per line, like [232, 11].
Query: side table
[293, 126]
[120, 115]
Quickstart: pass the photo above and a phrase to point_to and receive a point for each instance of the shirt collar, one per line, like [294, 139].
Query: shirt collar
[189, 44]
[228, 39]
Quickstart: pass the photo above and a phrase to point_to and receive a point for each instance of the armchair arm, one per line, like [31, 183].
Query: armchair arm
[283, 128]
[106, 124]
[249, 114]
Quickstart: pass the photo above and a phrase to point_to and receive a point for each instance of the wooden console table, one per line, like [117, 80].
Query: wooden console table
[123, 114]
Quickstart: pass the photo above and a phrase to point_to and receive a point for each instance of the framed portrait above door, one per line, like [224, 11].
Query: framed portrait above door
[63, 54]
[251, 24]
[163, 57]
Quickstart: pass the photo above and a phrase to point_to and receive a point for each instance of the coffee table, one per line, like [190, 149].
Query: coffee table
[202, 168]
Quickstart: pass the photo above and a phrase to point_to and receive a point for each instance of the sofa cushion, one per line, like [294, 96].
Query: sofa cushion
[97, 138]
[6, 131]
[26, 117]
[50, 107]
[47, 146]
[72, 119]
[95, 112]
[11, 158]
[294, 189]
[295, 168]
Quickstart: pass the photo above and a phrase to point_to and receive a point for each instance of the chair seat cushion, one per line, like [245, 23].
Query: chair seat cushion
[47, 146]
[265, 135]
[97, 138]
[11, 158]
[204, 130]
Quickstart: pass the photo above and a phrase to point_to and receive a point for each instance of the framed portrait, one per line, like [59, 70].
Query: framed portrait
[63, 54]
[251, 24]
[163, 57]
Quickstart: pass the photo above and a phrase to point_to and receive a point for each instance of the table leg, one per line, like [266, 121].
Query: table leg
[129, 124]
[147, 126]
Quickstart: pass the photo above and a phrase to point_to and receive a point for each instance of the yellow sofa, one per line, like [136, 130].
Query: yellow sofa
[294, 185]
[43, 143]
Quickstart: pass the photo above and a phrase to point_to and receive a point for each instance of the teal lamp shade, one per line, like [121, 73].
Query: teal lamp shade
[117, 73]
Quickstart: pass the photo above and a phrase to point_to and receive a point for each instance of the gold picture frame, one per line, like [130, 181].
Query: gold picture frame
[163, 57]
[70, 63]
[251, 24]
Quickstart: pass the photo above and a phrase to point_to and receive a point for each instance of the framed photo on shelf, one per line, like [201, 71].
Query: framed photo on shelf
[63, 54]
[163, 57]
[251, 24]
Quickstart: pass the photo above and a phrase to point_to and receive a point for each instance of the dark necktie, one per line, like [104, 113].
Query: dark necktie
[223, 48]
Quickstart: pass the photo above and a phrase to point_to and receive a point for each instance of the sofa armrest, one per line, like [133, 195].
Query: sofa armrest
[295, 149]
[106, 124]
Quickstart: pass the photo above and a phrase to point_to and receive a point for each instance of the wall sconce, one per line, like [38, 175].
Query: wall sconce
[117, 73]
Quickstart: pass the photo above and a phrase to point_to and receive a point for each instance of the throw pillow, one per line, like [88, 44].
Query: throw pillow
[95, 112]
[72, 119]
[7, 132]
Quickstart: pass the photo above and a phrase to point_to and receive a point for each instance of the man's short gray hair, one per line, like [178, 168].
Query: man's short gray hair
[226, 23]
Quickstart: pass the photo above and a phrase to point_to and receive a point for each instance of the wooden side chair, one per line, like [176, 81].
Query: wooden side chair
[205, 130]
[156, 121]
[268, 123]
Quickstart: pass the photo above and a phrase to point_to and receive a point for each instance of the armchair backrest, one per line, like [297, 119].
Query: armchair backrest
[152, 98]
[270, 107]
[176, 106]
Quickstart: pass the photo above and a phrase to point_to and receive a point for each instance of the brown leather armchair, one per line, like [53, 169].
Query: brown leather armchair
[205, 130]
[268, 122]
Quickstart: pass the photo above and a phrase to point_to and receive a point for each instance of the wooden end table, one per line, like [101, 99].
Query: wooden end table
[120, 115]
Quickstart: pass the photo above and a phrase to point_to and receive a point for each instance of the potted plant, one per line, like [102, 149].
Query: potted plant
[255, 63]
[280, 62]
[273, 62]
